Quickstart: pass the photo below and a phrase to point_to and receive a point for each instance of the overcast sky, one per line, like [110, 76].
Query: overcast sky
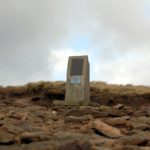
[37, 36]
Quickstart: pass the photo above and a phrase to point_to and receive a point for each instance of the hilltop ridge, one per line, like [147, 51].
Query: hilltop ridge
[101, 92]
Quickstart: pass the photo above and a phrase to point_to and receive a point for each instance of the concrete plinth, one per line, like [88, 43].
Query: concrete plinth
[77, 85]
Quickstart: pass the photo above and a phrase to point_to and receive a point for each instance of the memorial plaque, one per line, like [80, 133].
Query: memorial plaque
[76, 67]
[75, 79]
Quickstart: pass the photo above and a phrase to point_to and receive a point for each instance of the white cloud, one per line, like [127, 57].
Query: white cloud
[130, 68]
[59, 61]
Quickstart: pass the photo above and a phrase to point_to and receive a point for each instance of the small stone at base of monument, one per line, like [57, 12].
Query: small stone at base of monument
[71, 103]
[57, 102]
[80, 103]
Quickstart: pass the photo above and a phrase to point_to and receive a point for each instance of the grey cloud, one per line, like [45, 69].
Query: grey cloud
[117, 20]
[30, 29]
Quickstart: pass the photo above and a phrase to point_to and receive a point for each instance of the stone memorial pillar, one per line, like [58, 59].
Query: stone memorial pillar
[77, 85]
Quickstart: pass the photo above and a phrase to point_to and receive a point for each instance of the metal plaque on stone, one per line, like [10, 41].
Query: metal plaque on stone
[75, 79]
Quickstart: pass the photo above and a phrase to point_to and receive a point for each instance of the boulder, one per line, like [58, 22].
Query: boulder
[75, 119]
[139, 139]
[106, 129]
[6, 138]
[29, 137]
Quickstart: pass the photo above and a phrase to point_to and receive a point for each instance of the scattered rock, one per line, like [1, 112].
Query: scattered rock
[140, 126]
[106, 129]
[141, 119]
[126, 147]
[111, 112]
[82, 112]
[118, 106]
[147, 113]
[140, 139]
[106, 143]
[6, 138]
[76, 145]
[13, 128]
[32, 127]
[67, 135]
[75, 119]
[29, 137]
[54, 112]
[36, 98]
[145, 148]
[120, 122]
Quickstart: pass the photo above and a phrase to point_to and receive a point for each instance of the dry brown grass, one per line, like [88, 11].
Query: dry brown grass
[99, 87]
[100, 92]
[120, 89]
[32, 88]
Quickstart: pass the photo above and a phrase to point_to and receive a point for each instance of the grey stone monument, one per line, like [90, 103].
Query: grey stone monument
[77, 85]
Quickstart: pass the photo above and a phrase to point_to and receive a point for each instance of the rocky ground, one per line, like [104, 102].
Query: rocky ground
[28, 126]
[117, 119]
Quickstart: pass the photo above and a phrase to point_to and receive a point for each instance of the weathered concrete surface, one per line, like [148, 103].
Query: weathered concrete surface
[77, 85]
